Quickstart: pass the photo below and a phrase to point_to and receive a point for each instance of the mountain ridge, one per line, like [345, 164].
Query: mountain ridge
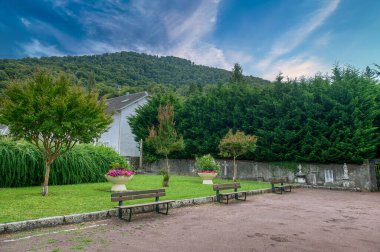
[122, 68]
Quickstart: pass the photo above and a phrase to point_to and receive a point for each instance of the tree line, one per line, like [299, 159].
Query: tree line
[120, 72]
[322, 119]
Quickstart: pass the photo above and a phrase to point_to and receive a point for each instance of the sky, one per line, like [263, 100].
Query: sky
[295, 37]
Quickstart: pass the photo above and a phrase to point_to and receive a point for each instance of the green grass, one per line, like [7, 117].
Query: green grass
[26, 203]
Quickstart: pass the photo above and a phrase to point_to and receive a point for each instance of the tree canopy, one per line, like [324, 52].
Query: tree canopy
[53, 115]
[322, 119]
[120, 72]
[235, 145]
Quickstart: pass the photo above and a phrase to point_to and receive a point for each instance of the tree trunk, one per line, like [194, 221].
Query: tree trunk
[165, 181]
[167, 165]
[45, 189]
[235, 170]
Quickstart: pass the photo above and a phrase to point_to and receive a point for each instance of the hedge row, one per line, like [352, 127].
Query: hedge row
[21, 164]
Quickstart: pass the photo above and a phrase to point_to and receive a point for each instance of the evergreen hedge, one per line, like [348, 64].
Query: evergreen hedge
[21, 164]
[321, 119]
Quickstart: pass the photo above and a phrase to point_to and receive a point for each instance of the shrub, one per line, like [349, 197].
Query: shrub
[207, 163]
[21, 164]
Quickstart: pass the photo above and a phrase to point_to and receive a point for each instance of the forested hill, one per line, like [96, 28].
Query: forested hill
[122, 69]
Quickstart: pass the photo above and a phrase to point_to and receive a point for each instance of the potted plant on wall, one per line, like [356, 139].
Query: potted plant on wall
[207, 168]
[119, 176]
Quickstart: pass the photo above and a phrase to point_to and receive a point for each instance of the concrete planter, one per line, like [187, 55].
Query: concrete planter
[207, 177]
[118, 182]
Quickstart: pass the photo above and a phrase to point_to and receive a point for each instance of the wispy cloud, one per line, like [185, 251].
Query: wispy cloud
[296, 67]
[189, 35]
[25, 21]
[36, 49]
[292, 39]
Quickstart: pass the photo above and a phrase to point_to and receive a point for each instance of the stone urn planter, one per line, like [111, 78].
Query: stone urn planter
[207, 177]
[118, 182]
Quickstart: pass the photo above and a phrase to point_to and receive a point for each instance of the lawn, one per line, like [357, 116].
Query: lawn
[26, 203]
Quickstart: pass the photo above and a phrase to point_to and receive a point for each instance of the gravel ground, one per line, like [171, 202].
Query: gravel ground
[303, 220]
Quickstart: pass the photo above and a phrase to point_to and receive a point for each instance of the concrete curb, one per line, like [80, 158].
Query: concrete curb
[100, 215]
[335, 188]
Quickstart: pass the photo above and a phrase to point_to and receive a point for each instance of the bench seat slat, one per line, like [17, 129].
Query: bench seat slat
[146, 204]
[226, 186]
[118, 194]
[139, 196]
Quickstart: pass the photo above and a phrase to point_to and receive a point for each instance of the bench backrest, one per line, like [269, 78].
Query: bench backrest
[277, 181]
[132, 195]
[226, 186]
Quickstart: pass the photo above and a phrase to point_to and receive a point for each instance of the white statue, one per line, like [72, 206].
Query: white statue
[300, 170]
[345, 170]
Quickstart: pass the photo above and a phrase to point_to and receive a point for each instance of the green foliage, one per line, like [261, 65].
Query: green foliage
[321, 119]
[113, 71]
[207, 163]
[237, 144]
[53, 115]
[47, 110]
[21, 164]
[121, 165]
[237, 74]
[165, 140]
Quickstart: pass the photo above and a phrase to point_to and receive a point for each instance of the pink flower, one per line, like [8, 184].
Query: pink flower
[120, 172]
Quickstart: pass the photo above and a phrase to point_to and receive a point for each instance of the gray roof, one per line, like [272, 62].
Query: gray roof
[118, 103]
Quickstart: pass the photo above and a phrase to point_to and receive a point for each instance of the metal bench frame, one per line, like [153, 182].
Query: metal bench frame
[235, 193]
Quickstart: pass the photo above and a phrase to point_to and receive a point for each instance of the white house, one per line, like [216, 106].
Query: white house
[119, 135]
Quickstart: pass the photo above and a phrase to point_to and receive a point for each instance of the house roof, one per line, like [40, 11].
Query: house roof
[118, 103]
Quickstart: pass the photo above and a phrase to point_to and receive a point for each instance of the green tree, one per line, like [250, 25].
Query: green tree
[237, 74]
[53, 115]
[165, 139]
[91, 83]
[147, 116]
[235, 145]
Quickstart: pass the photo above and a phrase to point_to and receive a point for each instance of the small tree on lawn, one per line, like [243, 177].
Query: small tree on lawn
[53, 115]
[165, 140]
[235, 145]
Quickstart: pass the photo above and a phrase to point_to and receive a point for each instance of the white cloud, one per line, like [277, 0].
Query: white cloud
[189, 35]
[25, 22]
[292, 39]
[36, 49]
[296, 67]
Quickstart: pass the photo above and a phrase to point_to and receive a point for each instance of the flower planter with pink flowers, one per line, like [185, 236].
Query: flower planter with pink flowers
[119, 177]
[207, 177]
[207, 169]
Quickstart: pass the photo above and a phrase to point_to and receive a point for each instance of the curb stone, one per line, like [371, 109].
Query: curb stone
[335, 188]
[99, 215]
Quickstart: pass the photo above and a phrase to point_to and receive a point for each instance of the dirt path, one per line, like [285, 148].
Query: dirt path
[304, 220]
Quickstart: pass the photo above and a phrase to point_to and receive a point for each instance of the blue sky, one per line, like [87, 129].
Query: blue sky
[292, 36]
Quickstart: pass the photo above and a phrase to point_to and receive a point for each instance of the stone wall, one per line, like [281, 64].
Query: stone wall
[330, 175]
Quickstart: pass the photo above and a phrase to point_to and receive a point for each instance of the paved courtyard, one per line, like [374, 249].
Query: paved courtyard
[304, 220]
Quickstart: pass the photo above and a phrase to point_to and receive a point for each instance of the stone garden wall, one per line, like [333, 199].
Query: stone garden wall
[360, 177]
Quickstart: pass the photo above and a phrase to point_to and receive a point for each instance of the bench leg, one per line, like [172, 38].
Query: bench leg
[167, 209]
[129, 211]
[120, 215]
[245, 196]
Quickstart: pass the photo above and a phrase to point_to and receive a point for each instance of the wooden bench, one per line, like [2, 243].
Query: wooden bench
[133, 195]
[278, 185]
[235, 194]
